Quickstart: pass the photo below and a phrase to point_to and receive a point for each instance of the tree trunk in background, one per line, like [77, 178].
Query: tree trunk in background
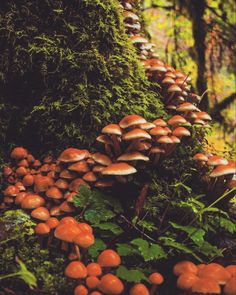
[196, 9]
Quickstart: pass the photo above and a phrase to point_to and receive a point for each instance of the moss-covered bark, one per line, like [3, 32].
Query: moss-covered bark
[66, 68]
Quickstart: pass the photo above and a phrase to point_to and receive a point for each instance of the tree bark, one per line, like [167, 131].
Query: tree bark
[196, 10]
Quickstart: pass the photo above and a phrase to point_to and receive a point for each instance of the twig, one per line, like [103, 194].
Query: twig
[137, 229]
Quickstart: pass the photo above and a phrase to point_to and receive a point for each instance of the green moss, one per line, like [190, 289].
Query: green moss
[17, 239]
[65, 71]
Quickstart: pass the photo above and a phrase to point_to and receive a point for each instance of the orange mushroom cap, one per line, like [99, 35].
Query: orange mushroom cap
[68, 219]
[19, 153]
[42, 229]
[215, 271]
[206, 286]
[85, 227]
[109, 258]
[230, 287]
[28, 180]
[32, 201]
[94, 269]
[73, 155]
[54, 193]
[139, 289]
[11, 191]
[231, 269]
[131, 120]
[52, 222]
[40, 213]
[92, 282]
[80, 290]
[156, 278]
[186, 280]
[20, 197]
[185, 266]
[111, 284]
[66, 232]
[76, 270]
[84, 240]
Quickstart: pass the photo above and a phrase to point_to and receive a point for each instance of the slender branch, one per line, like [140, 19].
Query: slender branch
[215, 113]
[137, 229]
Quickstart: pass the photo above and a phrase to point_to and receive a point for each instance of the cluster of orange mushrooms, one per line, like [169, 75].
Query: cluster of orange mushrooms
[175, 87]
[94, 278]
[222, 171]
[210, 278]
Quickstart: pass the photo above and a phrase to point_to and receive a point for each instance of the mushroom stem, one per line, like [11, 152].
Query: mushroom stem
[141, 199]
[108, 150]
[121, 179]
[153, 289]
[116, 145]
[156, 158]
[77, 251]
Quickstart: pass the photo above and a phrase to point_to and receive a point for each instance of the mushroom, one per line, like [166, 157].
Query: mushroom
[231, 269]
[94, 269]
[19, 153]
[101, 159]
[216, 272]
[32, 201]
[135, 136]
[133, 156]
[76, 270]
[171, 91]
[79, 167]
[186, 280]
[110, 284]
[109, 258]
[107, 142]
[52, 222]
[200, 158]
[119, 169]
[73, 155]
[80, 290]
[28, 180]
[83, 240]
[160, 122]
[206, 286]
[185, 266]
[177, 120]
[221, 175]
[155, 279]
[40, 213]
[92, 282]
[139, 289]
[131, 121]
[115, 132]
[66, 232]
[230, 287]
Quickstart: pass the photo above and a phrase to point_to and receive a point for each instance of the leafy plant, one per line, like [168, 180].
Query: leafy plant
[22, 273]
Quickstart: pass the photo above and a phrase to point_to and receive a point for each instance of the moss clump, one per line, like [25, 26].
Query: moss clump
[67, 68]
[17, 239]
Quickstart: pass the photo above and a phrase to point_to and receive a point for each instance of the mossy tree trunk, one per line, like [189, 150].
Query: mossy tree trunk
[66, 69]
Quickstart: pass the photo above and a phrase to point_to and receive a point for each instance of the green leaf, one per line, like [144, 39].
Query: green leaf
[172, 243]
[95, 216]
[148, 225]
[96, 248]
[210, 250]
[109, 226]
[132, 275]
[126, 249]
[149, 251]
[195, 234]
[27, 276]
